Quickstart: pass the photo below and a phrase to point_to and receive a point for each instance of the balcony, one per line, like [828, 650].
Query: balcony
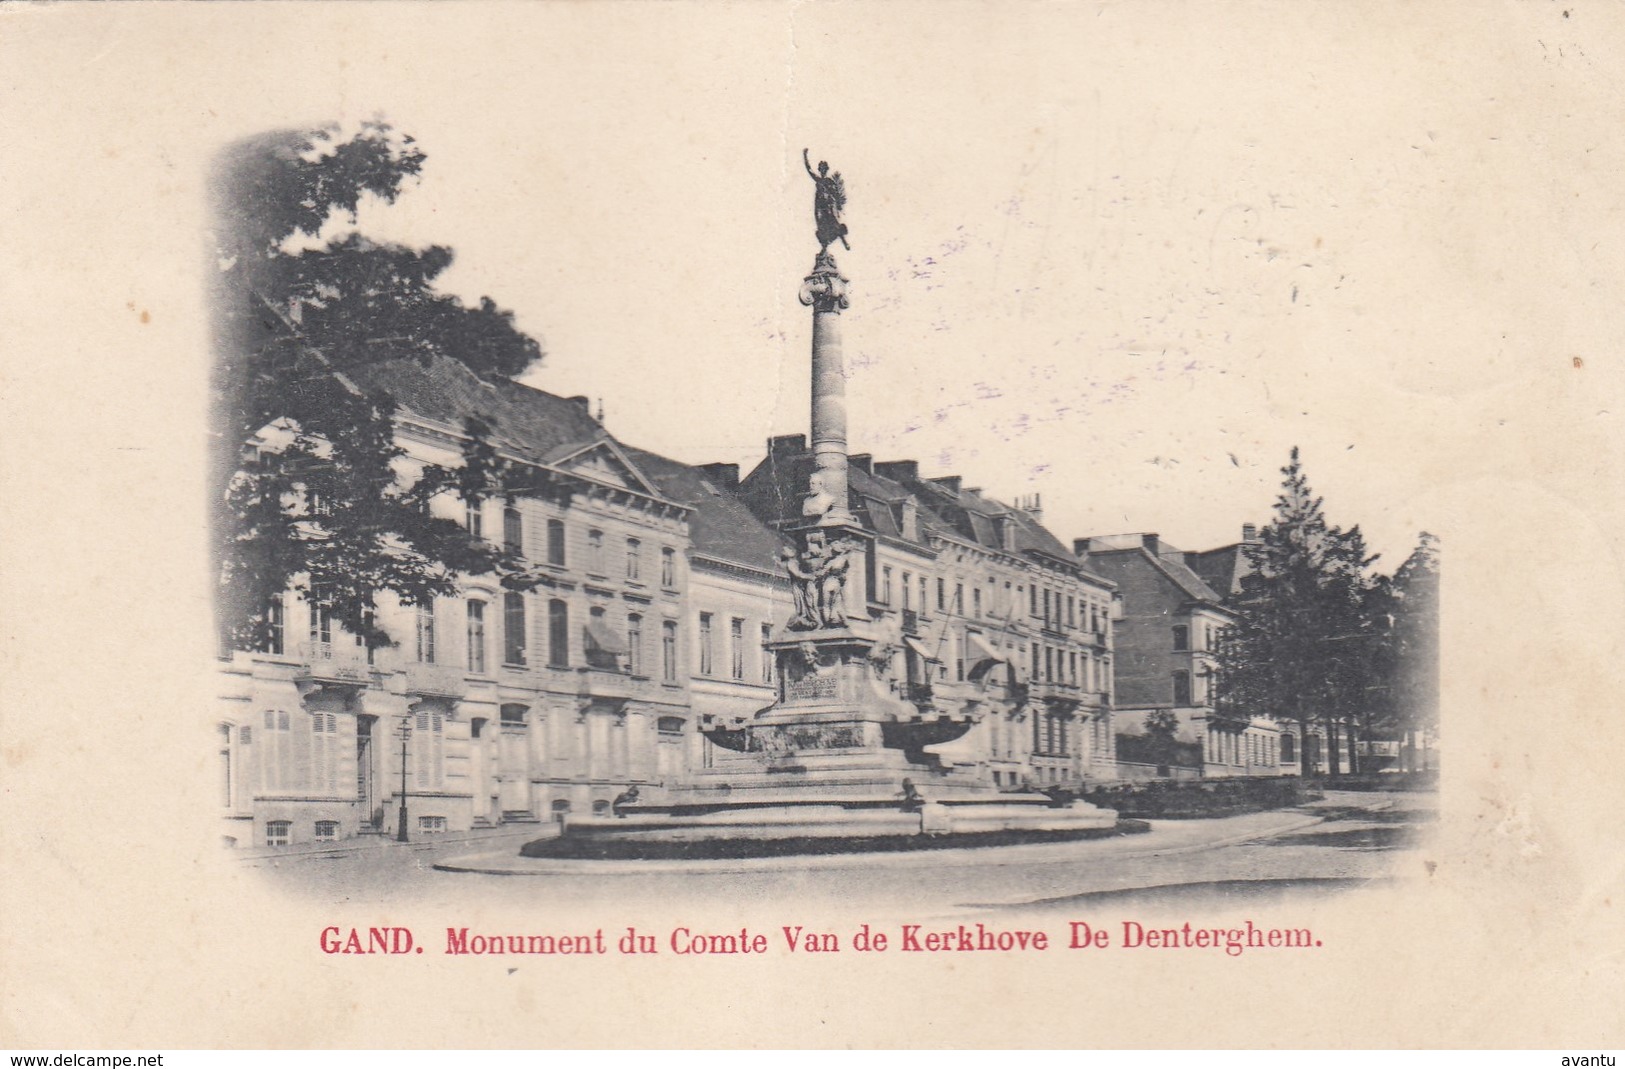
[334, 664]
[435, 680]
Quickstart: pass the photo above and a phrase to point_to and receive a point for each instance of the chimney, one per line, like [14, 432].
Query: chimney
[600, 416]
[724, 475]
[1249, 532]
[866, 461]
[1033, 506]
[1152, 544]
[901, 471]
[584, 403]
[949, 483]
[786, 445]
[1080, 547]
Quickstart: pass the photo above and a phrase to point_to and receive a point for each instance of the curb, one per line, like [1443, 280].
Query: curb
[487, 864]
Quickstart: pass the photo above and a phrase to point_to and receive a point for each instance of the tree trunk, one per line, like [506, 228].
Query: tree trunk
[1333, 761]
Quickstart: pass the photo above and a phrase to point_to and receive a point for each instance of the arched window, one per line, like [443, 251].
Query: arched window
[513, 628]
[558, 634]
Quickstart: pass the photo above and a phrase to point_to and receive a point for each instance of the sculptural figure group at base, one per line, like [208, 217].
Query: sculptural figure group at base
[818, 580]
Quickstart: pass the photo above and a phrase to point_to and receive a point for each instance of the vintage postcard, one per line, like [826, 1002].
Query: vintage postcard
[811, 525]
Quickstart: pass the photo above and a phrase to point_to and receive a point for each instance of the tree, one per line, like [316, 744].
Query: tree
[1303, 644]
[305, 484]
[1413, 661]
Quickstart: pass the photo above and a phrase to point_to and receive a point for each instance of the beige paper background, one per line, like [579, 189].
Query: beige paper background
[1464, 169]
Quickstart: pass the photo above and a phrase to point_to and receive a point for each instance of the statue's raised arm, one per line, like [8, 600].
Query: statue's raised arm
[829, 198]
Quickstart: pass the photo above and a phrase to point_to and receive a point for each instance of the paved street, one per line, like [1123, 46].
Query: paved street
[1349, 840]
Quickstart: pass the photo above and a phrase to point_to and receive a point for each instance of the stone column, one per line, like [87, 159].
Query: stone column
[825, 292]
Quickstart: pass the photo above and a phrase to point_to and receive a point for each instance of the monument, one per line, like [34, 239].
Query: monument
[839, 757]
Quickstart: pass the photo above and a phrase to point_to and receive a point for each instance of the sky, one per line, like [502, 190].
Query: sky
[1122, 257]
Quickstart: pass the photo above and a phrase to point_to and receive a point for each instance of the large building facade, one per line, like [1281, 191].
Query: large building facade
[1172, 619]
[985, 616]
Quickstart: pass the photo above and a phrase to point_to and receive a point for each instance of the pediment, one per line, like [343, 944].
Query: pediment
[603, 462]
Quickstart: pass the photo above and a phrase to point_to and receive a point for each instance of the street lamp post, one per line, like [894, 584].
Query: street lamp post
[405, 733]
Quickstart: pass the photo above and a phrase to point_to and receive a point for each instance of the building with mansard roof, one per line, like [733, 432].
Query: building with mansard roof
[988, 616]
[522, 706]
[1173, 613]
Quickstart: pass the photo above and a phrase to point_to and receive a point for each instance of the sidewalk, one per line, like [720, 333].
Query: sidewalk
[377, 844]
[1166, 837]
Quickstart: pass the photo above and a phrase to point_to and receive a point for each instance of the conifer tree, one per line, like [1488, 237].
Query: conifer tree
[1302, 647]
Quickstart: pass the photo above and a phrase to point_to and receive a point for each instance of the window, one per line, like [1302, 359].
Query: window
[474, 518]
[941, 586]
[513, 531]
[976, 600]
[558, 634]
[225, 766]
[432, 825]
[428, 751]
[634, 644]
[1049, 664]
[959, 598]
[276, 832]
[907, 582]
[1289, 749]
[595, 552]
[513, 716]
[1037, 674]
[1182, 688]
[669, 725]
[922, 594]
[324, 757]
[476, 635]
[275, 625]
[555, 542]
[1182, 638]
[321, 630]
[668, 566]
[513, 628]
[634, 554]
[885, 586]
[276, 751]
[736, 648]
[668, 651]
[1046, 607]
[705, 643]
[426, 633]
[327, 831]
[767, 654]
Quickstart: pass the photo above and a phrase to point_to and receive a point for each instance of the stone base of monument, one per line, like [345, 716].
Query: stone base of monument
[796, 822]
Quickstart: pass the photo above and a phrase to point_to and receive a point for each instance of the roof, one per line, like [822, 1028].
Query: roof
[546, 428]
[721, 525]
[1222, 568]
[1170, 563]
[533, 423]
[775, 488]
